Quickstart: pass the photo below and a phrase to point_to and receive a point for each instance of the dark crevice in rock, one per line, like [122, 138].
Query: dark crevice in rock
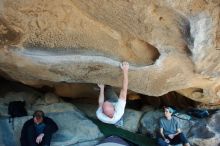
[172, 99]
[14, 86]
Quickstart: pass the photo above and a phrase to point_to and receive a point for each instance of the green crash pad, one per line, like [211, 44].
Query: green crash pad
[109, 129]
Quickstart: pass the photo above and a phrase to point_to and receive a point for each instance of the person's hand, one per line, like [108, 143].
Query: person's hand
[167, 141]
[39, 138]
[101, 86]
[171, 136]
[124, 66]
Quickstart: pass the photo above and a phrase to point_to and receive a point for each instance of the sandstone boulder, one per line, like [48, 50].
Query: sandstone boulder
[170, 45]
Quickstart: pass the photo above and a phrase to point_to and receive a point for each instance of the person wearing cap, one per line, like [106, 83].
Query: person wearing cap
[38, 131]
[170, 133]
[110, 111]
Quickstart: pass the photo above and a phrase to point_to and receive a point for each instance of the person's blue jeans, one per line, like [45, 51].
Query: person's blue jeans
[178, 139]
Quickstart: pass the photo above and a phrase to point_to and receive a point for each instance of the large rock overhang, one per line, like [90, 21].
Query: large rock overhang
[170, 46]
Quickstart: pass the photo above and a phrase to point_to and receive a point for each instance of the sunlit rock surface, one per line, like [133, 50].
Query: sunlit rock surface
[170, 45]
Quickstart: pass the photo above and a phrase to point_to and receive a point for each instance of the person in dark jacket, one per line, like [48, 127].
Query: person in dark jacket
[38, 130]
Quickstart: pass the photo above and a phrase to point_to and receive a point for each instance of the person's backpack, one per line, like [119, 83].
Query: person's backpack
[199, 113]
[16, 109]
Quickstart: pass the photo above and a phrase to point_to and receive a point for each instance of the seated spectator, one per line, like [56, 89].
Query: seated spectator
[170, 133]
[38, 130]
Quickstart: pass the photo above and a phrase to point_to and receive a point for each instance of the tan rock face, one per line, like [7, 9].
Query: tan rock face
[170, 45]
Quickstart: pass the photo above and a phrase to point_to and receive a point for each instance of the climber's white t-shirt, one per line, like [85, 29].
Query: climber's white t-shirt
[119, 111]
